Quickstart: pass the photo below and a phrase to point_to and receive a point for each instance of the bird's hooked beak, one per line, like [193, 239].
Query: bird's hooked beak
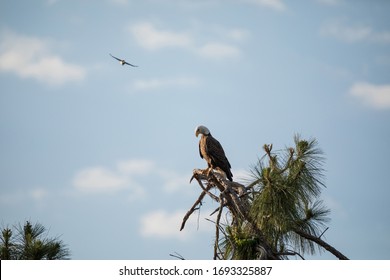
[201, 130]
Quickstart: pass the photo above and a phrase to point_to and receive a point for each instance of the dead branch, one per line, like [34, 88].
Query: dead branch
[323, 232]
[217, 226]
[233, 196]
[193, 208]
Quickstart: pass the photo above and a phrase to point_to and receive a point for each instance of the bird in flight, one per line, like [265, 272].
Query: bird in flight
[122, 61]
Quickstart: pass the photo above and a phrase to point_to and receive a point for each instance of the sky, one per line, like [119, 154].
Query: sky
[101, 154]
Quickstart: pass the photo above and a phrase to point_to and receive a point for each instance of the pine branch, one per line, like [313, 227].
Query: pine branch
[322, 243]
[291, 253]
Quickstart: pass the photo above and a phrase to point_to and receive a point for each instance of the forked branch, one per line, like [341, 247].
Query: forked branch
[232, 196]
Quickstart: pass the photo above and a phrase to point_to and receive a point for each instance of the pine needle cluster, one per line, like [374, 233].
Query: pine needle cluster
[284, 202]
[30, 243]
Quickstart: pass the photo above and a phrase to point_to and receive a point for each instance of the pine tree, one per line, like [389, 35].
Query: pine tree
[31, 243]
[278, 214]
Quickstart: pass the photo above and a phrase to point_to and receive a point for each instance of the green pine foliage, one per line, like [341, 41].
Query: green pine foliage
[30, 243]
[284, 201]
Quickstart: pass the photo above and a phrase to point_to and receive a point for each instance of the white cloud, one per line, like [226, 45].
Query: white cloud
[99, 179]
[164, 225]
[30, 195]
[126, 175]
[148, 36]
[376, 96]
[39, 194]
[136, 166]
[30, 57]
[174, 182]
[159, 83]
[238, 34]
[351, 34]
[241, 175]
[151, 38]
[218, 50]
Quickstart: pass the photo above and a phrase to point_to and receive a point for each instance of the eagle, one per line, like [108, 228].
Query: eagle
[211, 150]
[122, 61]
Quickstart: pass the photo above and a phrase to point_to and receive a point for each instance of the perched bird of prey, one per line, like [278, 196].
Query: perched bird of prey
[211, 150]
[122, 61]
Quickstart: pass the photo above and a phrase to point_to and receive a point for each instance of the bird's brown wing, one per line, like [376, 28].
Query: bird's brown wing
[217, 155]
[200, 149]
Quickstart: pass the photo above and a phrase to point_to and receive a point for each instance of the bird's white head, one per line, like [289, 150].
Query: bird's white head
[201, 130]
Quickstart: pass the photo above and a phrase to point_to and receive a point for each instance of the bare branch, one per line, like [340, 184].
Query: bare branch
[323, 232]
[193, 208]
[217, 226]
[232, 196]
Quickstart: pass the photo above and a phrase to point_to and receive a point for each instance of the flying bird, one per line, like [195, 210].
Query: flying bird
[211, 150]
[122, 61]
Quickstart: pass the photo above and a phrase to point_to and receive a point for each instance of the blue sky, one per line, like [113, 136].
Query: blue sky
[102, 154]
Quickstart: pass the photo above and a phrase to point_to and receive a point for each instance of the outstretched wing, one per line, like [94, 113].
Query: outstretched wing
[130, 64]
[116, 58]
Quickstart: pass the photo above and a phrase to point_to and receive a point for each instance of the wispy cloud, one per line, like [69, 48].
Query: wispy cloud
[39, 194]
[152, 38]
[99, 179]
[36, 195]
[242, 176]
[224, 44]
[237, 34]
[122, 177]
[31, 57]
[136, 167]
[218, 50]
[354, 33]
[161, 83]
[125, 175]
[375, 96]
[174, 182]
[165, 225]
